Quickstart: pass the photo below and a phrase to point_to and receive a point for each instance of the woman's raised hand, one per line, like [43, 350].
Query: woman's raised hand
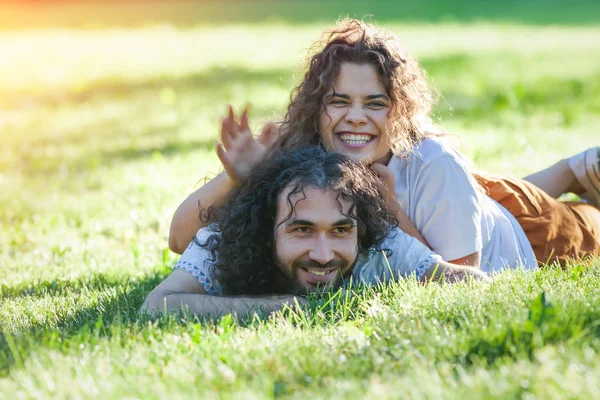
[239, 150]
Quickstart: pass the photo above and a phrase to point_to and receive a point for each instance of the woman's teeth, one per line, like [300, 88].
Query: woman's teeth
[352, 138]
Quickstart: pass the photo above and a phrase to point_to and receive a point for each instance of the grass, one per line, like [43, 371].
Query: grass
[105, 128]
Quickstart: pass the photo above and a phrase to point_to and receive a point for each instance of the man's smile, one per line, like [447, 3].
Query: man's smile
[316, 277]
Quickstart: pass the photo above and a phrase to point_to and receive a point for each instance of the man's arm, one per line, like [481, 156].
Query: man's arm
[446, 272]
[471, 260]
[180, 291]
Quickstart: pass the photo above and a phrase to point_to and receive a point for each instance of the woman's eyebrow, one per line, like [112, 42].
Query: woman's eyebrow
[377, 96]
[336, 94]
[369, 97]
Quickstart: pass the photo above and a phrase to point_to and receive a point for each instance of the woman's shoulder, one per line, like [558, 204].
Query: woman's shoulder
[428, 150]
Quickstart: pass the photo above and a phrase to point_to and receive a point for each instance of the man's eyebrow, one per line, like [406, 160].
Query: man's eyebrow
[299, 222]
[304, 222]
[344, 222]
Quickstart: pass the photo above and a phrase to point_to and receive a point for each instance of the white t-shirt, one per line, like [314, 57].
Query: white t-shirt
[405, 256]
[452, 212]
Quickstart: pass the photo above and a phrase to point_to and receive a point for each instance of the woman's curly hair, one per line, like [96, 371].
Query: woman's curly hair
[243, 246]
[398, 71]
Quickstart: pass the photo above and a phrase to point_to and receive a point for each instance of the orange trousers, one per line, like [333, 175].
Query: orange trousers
[558, 231]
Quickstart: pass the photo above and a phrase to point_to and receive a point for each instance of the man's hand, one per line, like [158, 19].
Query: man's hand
[451, 273]
[239, 151]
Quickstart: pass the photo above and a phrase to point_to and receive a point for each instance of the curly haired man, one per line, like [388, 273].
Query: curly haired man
[304, 220]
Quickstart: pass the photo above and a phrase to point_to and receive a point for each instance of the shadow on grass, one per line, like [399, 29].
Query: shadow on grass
[215, 81]
[92, 159]
[136, 133]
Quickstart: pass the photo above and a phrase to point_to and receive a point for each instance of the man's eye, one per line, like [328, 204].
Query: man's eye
[302, 229]
[341, 229]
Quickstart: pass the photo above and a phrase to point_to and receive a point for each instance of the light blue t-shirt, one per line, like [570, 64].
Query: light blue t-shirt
[450, 209]
[400, 256]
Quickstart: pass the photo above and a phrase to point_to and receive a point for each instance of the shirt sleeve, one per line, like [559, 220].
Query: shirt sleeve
[448, 212]
[199, 262]
[398, 256]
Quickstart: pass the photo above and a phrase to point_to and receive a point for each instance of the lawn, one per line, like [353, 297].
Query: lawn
[108, 119]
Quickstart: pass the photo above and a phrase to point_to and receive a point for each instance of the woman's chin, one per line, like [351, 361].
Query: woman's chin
[363, 155]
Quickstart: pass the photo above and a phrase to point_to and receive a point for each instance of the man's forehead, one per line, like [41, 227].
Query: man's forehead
[312, 202]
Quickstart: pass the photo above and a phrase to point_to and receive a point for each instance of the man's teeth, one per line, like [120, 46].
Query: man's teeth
[318, 272]
[355, 139]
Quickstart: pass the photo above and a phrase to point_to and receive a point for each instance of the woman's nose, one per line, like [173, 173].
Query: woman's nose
[356, 116]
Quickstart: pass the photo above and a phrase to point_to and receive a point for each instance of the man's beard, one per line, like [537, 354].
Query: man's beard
[290, 284]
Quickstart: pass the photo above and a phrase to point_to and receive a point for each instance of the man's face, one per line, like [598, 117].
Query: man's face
[317, 246]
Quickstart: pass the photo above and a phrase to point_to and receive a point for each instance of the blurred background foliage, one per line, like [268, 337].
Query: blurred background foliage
[186, 13]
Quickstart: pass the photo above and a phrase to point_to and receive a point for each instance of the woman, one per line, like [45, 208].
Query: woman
[366, 97]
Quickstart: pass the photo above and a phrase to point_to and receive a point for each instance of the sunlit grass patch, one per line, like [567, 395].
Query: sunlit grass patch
[455, 335]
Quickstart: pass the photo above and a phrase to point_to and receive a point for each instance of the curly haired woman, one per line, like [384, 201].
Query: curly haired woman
[365, 96]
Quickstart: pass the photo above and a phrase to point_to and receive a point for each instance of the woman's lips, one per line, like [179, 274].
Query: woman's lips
[355, 140]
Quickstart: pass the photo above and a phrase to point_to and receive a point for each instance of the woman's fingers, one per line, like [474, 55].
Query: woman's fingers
[383, 172]
[222, 154]
[244, 121]
[224, 157]
[268, 135]
[233, 126]
[226, 137]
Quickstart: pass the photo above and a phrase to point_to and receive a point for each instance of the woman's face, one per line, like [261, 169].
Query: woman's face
[356, 118]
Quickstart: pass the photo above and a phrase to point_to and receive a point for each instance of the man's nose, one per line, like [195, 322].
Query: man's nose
[322, 251]
[356, 116]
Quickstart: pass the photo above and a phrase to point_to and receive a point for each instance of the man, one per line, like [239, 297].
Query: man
[304, 220]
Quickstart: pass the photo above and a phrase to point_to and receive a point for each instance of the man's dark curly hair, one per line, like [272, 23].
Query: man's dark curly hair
[244, 246]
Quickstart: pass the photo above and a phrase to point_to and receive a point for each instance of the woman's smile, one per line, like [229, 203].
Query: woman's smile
[355, 140]
[356, 118]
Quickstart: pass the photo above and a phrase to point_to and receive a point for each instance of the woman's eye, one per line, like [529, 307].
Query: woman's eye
[339, 103]
[376, 105]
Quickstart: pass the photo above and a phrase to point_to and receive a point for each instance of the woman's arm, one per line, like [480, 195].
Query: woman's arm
[449, 211]
[186, 220]
[239, 153]
[406, 225]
